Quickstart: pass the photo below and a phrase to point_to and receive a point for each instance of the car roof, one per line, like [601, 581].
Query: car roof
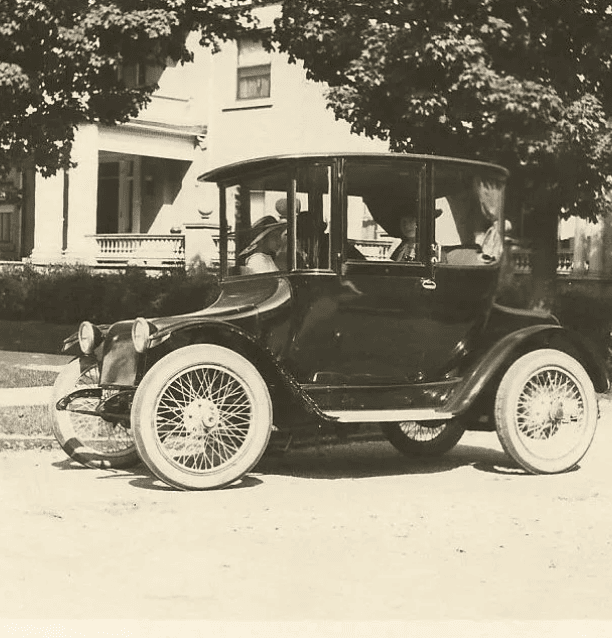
[230, 171]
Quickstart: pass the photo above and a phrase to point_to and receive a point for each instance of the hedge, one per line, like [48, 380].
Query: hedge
[69, 294]
[584, 305]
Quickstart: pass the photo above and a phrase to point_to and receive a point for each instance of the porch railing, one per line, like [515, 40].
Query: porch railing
[373, 249]
[140, 249]
[521, 259]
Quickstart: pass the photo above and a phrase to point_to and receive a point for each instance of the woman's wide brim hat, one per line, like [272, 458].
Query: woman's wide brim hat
[261, 230]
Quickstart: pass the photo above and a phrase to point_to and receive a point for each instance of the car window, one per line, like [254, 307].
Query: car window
[258, 220]
[257, 224]
[384, 207]
[468, 223]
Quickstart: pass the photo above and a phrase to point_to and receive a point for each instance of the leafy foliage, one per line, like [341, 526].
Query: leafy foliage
[525, 83]
[59, 62]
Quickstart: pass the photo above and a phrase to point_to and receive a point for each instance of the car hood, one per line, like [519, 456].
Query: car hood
[237, 298]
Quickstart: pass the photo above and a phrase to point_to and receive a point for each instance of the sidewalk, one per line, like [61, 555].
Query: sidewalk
[25, 396]
[46, 361]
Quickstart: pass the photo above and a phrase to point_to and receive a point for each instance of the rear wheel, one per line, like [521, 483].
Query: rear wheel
[202, 417]
[546, 411]
[88, 439]
[422, 439]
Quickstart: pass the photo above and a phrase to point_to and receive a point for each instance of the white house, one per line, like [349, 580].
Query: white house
[134, 197]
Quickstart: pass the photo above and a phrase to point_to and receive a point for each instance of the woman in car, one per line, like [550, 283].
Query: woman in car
[268, 249]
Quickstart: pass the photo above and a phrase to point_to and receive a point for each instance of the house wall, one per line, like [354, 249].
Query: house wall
[293, 120]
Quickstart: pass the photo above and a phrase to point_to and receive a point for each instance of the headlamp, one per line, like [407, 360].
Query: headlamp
[141, 332]
[89, 337]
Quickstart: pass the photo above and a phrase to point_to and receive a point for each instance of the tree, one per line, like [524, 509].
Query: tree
[526, 83]
[60, 62]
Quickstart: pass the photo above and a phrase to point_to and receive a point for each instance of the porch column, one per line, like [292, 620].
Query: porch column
[581, 247]
[598, 254]
[48, 219]
[83, 197]
[606, 223]
[200, 246]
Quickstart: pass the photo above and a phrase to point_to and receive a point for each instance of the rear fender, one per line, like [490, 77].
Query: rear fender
[283, 386]
[494, 362]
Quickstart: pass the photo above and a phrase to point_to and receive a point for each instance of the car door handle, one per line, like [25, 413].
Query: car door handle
[428, 283]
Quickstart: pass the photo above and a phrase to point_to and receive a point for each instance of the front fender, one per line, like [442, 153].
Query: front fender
[496, 360]
[281, 382]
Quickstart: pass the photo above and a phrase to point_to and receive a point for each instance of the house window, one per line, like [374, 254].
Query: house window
[253, 70]
[5, 226]
[139, 74]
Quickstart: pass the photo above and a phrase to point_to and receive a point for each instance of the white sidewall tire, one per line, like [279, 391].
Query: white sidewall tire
[69, 439]
[509, 391]
[153, 386]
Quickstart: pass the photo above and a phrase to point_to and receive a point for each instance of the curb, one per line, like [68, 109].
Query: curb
[16, 442]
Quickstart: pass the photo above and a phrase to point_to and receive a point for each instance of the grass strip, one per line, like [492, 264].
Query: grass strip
[25, 421]
[15, 376]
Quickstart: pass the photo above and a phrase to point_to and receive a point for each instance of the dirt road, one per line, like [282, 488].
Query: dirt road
[351, 533]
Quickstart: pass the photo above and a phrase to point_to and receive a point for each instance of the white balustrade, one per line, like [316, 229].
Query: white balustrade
[521, 259]
[374, 250]
[140, 249]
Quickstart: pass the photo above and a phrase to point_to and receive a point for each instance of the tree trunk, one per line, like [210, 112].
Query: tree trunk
[544, 259]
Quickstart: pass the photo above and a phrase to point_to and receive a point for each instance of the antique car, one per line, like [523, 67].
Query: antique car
[355, 289]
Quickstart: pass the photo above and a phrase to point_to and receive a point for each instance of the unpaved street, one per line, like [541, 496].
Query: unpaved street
[354, 532]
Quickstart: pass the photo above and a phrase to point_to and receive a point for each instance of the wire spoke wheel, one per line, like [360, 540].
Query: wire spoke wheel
[546, 411]
[202, 417]
[89, 439]
[423, 438]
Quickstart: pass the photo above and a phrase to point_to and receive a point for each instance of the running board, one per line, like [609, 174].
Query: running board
[389, 415]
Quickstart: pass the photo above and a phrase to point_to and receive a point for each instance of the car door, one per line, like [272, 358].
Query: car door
[389, 317]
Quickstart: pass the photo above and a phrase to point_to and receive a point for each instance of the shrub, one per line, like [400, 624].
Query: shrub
[584, 305]
[17, 293]
[69, 294]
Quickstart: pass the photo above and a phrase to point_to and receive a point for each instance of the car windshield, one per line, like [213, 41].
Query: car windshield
[259, 220]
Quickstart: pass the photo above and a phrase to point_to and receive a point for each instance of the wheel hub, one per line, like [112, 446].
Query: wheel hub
[557, 410]
[547, 412]
[200, 416]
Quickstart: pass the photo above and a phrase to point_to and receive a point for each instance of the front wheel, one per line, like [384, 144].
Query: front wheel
[418, 439]
[202, 417]
[546, 411]
[88, 439]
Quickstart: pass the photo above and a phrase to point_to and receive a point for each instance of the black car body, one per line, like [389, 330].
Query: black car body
[353, 289]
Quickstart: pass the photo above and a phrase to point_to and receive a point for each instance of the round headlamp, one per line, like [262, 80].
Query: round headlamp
[141, 332]
[89, 337]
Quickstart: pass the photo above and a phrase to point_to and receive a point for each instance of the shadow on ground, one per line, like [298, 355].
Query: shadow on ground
[333, 462]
